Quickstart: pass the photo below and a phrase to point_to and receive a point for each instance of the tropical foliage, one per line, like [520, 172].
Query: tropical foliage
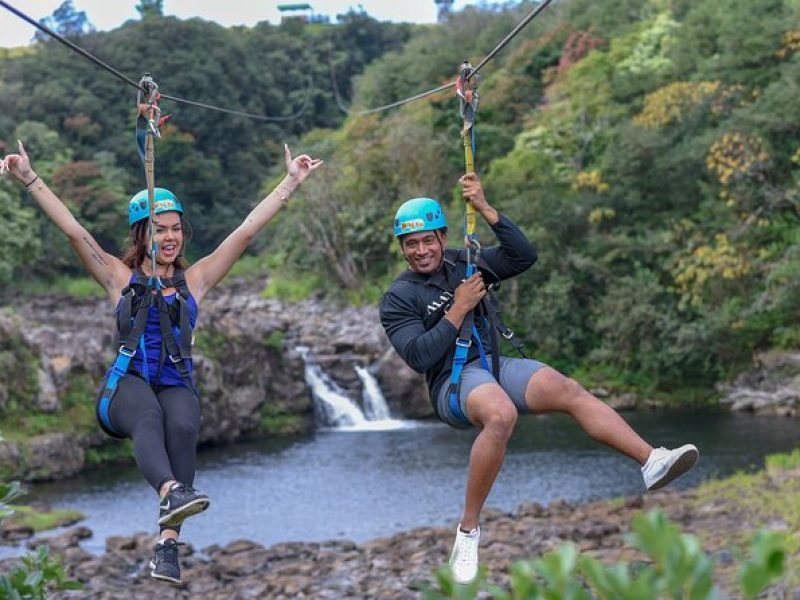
[650, 149]
[673, 566]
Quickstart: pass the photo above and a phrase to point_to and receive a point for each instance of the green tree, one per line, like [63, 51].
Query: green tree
[19, 240]
[65, 21]
[150, 9]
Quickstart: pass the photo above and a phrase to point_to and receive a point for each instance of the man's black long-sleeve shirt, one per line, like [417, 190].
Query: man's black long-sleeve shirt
[412, 310]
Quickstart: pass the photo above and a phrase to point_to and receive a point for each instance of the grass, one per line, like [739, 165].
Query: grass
[275, 340]
[42, 520]
[768, 499]
[294, 287]
[249, 267]
[275, 421]
[75, 417]
[283, 424]
[76, 287]
[111, 451]
[593, 375]
[211, 343]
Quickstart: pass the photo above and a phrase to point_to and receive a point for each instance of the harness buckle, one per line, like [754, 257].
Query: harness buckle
[116, 370]
[508, 334]
[175, 360]
[463, 343]
[124, 351]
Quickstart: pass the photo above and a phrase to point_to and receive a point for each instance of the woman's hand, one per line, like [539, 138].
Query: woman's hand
[299, 167]
[19, 165]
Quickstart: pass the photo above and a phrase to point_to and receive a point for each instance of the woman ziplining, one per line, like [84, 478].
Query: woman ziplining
[149, 395]
[443, 320]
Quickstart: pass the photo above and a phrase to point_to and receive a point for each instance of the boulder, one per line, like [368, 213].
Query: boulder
[404, 389]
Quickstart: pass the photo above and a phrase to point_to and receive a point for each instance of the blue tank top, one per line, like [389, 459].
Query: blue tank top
[151, 340]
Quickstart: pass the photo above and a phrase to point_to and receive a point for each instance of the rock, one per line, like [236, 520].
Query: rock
[774, 360]
[119, 543]
[404, 389]
[63, 541]
[14, 532]
[623, 402]
[47, 398]
[10, 459]
[248, 369]
[53, 454]
[772, 386]
[395, 567]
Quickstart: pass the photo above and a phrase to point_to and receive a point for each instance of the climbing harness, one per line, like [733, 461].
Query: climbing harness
[144, 291]
[486, 312]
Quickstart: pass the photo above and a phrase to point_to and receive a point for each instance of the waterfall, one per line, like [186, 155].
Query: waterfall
[333, 405]
[375, 408]
[336, 411]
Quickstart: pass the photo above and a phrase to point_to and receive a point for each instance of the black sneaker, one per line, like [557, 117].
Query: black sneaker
[181, 502]
[165, 565]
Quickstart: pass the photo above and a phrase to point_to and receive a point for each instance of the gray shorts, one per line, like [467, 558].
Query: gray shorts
[515, 373]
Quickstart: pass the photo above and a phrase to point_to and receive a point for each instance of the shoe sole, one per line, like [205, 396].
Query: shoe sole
[179, 515]
[458, 581]
[160, 577]
[684, 463]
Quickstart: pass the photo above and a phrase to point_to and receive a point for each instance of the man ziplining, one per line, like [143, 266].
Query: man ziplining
[440, 320]
[438, 315]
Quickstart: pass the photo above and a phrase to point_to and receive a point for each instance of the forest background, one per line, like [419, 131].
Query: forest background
[649, 148]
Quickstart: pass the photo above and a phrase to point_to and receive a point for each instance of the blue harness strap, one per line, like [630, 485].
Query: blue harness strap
[463, 344]
[117, 371]
[127, 349]
[131, 328]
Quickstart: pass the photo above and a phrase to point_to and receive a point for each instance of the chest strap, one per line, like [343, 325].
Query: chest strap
[134, 308]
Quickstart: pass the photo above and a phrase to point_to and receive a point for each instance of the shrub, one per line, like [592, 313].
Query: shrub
[674, 566]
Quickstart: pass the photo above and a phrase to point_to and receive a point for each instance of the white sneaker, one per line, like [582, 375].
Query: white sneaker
[665, 465]
[464, 557]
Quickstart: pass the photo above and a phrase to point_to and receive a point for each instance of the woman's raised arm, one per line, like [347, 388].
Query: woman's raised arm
[209, 271]
[106, 269]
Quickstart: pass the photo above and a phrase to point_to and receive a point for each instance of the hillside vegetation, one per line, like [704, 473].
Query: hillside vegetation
[650, 149]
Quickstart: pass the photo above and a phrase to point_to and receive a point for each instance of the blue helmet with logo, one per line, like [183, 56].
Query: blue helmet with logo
[165, 201]
[419, 214]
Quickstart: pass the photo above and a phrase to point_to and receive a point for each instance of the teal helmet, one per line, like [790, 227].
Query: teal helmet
[165, 201]
[419, 214]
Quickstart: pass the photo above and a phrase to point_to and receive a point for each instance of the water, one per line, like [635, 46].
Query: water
[375, 408]
[335, 410]
[366, 484]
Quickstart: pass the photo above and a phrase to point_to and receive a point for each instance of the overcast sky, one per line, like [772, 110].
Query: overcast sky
[108, 14]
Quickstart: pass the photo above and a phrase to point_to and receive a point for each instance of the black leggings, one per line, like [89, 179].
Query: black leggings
[163, 424]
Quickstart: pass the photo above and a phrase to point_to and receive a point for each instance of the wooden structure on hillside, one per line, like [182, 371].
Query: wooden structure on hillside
[302, 12]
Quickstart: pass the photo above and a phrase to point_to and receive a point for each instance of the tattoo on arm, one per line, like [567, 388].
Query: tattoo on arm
[97, 254]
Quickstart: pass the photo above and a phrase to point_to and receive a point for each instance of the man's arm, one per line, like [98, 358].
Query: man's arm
[515, 253]
[406, 329]
[404, 326]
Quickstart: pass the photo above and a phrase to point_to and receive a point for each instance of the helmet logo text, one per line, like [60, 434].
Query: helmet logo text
[412, 224]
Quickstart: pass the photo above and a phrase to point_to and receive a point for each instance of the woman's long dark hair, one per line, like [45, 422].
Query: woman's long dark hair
[137, 253]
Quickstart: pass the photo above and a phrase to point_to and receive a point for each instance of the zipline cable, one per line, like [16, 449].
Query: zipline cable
[503, 43]
[254, 116]
[74, 47]
[378, 109]
[71, 45]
